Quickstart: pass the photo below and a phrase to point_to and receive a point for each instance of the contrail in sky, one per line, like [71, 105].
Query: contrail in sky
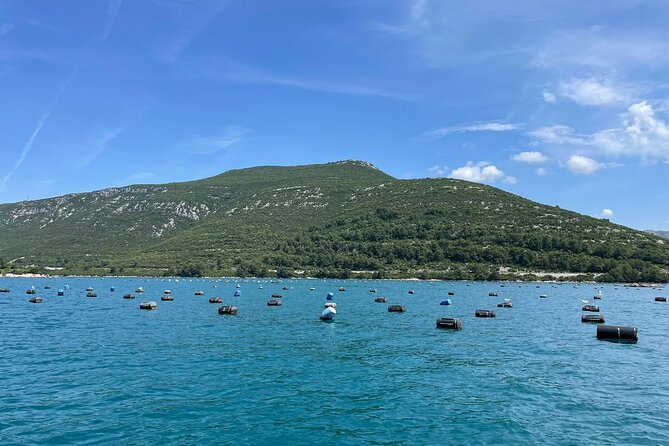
[29, 144]
[114, 7]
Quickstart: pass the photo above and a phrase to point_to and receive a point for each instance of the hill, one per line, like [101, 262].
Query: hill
[663, 234]
[331, 220]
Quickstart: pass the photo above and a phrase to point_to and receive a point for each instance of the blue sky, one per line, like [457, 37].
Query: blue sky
[564, 102]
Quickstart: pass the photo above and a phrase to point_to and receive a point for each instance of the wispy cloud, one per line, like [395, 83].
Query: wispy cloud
[208, 145]
[557, 134]
[194, 16]
[594, 92]
[228, 71]
[27, 147]
[112, 12]
[477, 127]
[438, 170]
[96, 144]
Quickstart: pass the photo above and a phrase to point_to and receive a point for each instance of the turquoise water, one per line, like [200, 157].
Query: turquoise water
[101, 371]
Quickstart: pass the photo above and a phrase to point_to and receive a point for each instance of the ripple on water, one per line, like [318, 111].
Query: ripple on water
[77, 370]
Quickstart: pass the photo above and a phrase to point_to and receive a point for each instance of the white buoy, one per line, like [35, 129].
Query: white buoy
[328, 314]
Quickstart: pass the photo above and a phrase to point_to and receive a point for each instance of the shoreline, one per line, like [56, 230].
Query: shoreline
[410, 279]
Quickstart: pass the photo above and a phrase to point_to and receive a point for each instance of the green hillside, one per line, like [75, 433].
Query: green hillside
[338, 219]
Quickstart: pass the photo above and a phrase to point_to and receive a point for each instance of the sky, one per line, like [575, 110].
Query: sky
[563, 102]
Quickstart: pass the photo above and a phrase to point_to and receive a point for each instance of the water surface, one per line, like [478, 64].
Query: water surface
[101, 371]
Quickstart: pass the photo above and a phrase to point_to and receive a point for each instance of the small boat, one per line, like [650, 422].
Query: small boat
[139, 290]
[373, 290]
[396, 308]
[167, 292]
[199, 293]
[128, 296]
[5, 290]
[493, 294]
[35, 300]
[312, 289]
[227, 309]
[47, 287]
[167, 298]
[330, 305]
[451, 293]
[260, 287]
[446, 302]
[215, 300]
[31, 291]
[342, 289]
[381, 300]
[543, 296]
[238, 286]
[412, 292]
[285, 288]
[151, 305]
[274, 303]
[598, 296]
[328, 314]
[89, 289]
[91, 295]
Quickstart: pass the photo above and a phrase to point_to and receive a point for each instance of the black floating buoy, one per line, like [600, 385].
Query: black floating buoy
[451, 293]
[617, 333]
[484, 313]
[274, 303]
[593, 308]
[128, 296]
[660, 299]
[595, 318]
[227, 309]
[381, 300]
[396, 308]
[167, 298]
[449, 323]
[215, 300]
[148, 305]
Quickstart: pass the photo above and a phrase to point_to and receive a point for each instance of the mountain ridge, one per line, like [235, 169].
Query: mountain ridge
[325, 219]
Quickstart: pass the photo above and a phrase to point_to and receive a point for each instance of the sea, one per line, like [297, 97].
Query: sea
[83, 370]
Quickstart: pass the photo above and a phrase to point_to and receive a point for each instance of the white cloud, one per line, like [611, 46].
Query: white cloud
[582, 165]
[593, 92]
[207, 145]
[6, 28]
[541, 172]
[557, 134]
[478, 127]
[531, 157]
[438, 170]
[481, 173]
[646, 132]
[549, 97]
[607, 213]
